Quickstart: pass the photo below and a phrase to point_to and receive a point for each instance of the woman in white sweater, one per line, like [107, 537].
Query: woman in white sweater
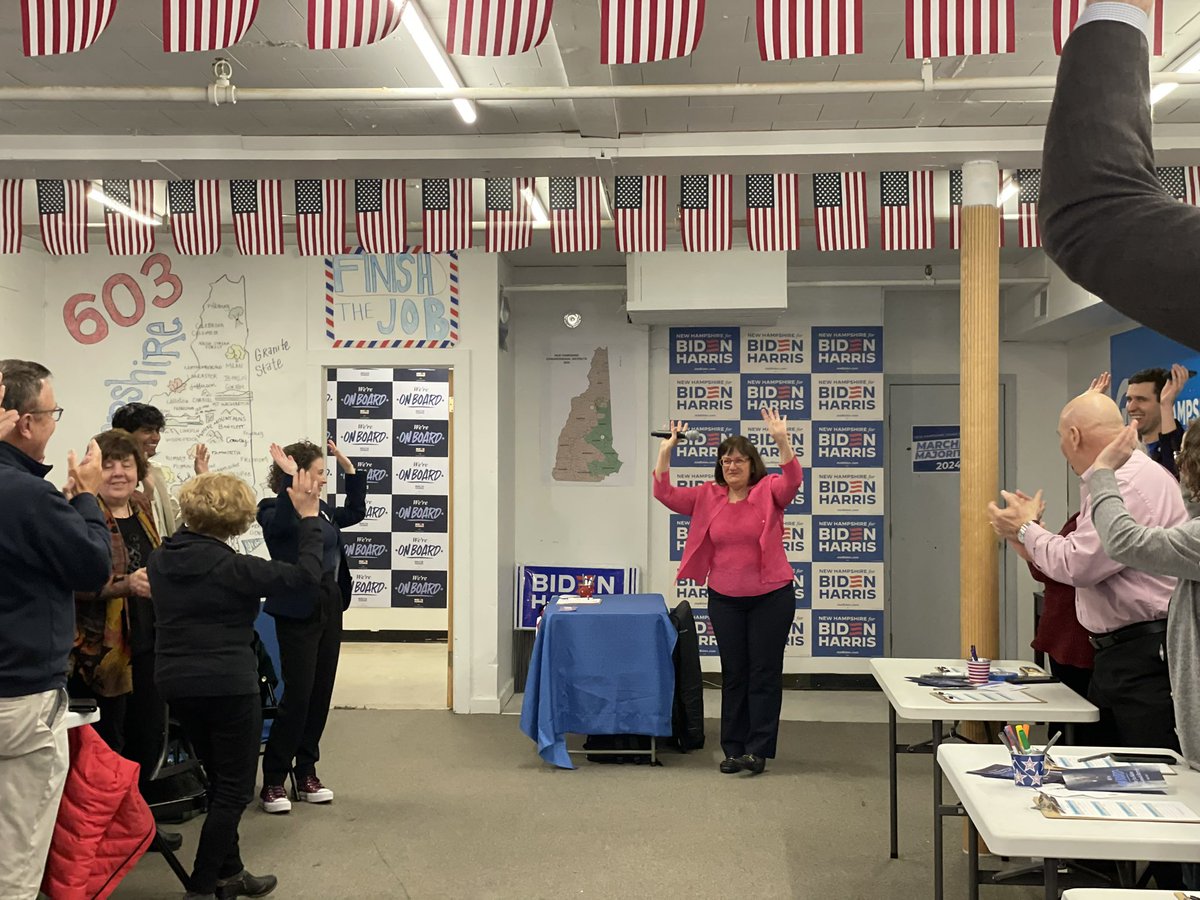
[1161, 551]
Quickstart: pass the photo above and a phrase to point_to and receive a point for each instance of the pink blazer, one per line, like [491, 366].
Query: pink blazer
[769, 497]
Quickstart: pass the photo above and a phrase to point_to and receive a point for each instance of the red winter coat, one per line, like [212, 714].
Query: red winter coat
[104, 826]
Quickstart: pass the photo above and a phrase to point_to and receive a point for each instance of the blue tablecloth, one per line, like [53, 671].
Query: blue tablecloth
[602, 669]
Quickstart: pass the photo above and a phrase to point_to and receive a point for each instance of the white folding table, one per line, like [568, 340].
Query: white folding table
[909, 700]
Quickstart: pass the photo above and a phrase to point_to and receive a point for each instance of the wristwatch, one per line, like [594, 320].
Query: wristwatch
[1021, 531]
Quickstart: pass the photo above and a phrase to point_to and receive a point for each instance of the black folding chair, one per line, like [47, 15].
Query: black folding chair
[268, 682]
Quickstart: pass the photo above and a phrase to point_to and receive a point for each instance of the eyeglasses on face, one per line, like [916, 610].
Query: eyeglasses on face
[729, 462]
[55, 413]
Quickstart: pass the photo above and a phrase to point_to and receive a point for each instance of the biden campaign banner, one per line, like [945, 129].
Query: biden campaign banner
[536, 585]
[802, 575]
[847, 539]
[847, 444]
[847, 491]
[704, 632]
[789, 395]
[697, 397]
[847, 586]
[849, 348]
[842, 633]
[704, 351]
[775, 350]
[755, 430]
[936, 448]
[852, 397]
[703, 453]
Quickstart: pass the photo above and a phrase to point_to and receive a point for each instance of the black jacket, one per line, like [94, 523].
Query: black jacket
[49, 548]
[278, 519]
[206, 599]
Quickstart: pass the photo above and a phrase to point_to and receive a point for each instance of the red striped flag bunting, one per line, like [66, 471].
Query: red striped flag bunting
[496, 27]
[339, 24]
[640, 213]
[638, 31]
[257, 209]
[575, 214]
[1181, 182]
[320, 216]
[446, 210]
[796, 29]
[773, 211]
[63, 26]
[381, 214]
[195, 208]
[198, 25]
[936, 28]
[1029, 183]
[508, 215]
[906, 210]
[63, 216]
[126, 235]
[706, 212]
[840, 210]
[11, 191]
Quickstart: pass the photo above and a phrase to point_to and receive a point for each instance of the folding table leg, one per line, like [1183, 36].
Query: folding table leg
[1050, 868]
[892, 801]
[972, 860]
[937, 812]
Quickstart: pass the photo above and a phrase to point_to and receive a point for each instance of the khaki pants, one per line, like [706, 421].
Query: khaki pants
[33, 766]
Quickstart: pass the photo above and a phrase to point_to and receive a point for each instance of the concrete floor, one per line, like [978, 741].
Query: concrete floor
[434, 805]
[391, 676]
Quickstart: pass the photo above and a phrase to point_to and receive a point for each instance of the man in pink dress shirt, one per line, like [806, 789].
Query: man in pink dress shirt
[1124, 609]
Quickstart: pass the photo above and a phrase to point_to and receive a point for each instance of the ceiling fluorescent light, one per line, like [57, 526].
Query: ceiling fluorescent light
[535, 206]
[1161, 90]
[1008, 190]
[104, 200]
[435, 56]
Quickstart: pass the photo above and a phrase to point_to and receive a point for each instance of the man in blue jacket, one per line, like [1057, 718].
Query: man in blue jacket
[51, 545]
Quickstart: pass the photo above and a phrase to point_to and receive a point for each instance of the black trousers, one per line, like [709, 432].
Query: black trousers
[1078, 680]
[751, 634]
[308, 660]
[226, 732]
[1131, 686]
[133, 725]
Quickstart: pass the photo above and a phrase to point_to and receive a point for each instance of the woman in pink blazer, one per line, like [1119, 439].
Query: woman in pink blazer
[735, 543]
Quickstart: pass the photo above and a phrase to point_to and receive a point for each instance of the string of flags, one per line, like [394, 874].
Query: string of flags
[631, 31]
[577, 206]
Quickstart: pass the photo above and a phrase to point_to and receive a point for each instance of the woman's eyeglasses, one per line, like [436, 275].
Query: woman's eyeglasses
[729, 462]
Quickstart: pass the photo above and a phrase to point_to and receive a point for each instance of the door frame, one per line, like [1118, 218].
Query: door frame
[1008, 561]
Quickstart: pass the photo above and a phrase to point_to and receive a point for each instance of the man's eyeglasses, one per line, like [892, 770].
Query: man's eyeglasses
[728, 462]
[55, 413]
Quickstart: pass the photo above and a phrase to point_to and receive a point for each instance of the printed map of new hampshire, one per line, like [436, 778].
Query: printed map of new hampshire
[585, 443]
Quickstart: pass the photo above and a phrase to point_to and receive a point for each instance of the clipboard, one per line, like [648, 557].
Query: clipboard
[1124, 809]
[982, 694]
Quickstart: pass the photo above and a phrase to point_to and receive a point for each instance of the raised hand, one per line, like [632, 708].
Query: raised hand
[342, 459]
[303, 491]
[1117, 453]
[776, 424]
[1101, 383]
[87, 474]
[676, 429]
[286, 464]
[200, 459]
[1170, 391]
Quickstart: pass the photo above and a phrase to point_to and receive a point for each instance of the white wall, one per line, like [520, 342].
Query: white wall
[921, 336]
[22, 306]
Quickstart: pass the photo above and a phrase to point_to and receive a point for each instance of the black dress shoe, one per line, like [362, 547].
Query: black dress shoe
[173, 840]
[731, 764]
[244, 884]
[752, 764]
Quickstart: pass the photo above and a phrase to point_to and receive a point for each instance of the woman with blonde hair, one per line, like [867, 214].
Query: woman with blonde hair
[206, 597]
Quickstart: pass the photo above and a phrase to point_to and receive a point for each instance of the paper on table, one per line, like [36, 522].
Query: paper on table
[993, 693]
[1103, 762]
[578, 601]
[961, 671]
[1071, 805]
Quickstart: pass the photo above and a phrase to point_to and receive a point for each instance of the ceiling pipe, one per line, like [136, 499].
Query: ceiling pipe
[219, 94]
[875, 282]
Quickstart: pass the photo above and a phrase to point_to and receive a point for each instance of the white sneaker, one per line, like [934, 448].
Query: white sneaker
[274, 799]
[312, 791]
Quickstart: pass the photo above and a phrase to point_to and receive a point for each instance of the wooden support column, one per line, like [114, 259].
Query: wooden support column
[979, 412]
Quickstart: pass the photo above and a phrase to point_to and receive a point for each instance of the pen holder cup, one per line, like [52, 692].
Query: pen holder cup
[1028, 769]
[979, 670]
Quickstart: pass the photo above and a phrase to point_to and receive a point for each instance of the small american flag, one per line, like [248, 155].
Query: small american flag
[257, 215]
[706, 212]
[840, 202]
[496, 27]
[575, 214]
[1029, 182]
[445, 214]
[11, 190]
[906, 207]
[127, 236]
[1066, 13]
[320, 216]
[508, 216]
[773, 211]
[1181, 182]
[63, 214]
[195, 25]
[195, 208]
[63, 26]
[795, 29]
[956, 202]
[959, 27]
[640, 213]
[638, 31]
[381, 214]
[338, 24]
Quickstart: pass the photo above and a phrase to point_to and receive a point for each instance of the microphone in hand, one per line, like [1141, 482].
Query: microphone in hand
[690, 435]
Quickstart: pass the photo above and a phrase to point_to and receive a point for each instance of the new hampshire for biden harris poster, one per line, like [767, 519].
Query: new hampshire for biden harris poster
[828, 381]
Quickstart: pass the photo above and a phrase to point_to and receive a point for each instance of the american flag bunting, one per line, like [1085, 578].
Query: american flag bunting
[320, 216]
[127, 236]
[63, 215]
[956, 203]
[508, 214]
[1029, 183]
[11, 191]
[906, 210]
[575, 214]
[840, 210]
[257, 209]
[496, 27]
[1181, 182]
[198, 25]
[446, 210]
[797, 29]
[1066, 13]
[773, 211]
[936, 28]
[339, 24]
[381, 214]
[63, 26]
[638, 31]
[195, 208]
[706, 212]
[640, 213]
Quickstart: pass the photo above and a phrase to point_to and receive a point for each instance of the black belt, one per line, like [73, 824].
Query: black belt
[1128, 633]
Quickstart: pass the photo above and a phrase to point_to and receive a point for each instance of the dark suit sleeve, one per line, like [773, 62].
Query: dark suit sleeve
[71, 538]
[1166, 447]
[354, 510]
[279, 522]
[1105, 219]
[270, 576]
